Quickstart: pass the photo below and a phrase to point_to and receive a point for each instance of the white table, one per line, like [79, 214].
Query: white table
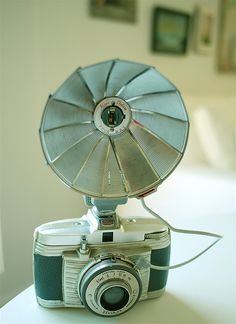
[201, 292]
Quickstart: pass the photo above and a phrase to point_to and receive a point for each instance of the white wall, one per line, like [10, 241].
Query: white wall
[42, 42]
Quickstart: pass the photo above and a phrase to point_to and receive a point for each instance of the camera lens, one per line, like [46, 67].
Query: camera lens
[110, 287]
[114, 298]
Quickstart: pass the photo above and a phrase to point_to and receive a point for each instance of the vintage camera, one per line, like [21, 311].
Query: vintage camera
[112, 131]
[100, 261]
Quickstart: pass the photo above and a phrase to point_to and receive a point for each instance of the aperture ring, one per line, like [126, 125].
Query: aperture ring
[103, 277]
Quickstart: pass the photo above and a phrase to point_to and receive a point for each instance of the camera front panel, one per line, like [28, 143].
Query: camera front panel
[76, 268]
[59, 270]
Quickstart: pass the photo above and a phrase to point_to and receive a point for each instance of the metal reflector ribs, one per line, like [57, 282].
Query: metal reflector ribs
[131, 157]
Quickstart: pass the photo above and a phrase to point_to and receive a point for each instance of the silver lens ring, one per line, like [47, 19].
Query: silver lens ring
[110, 287]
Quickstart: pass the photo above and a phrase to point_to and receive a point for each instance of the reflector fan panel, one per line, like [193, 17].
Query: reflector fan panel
[114, 129]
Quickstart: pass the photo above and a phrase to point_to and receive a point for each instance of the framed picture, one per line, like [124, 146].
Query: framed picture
[124, 10]
[203, 29]
[170, 31]
[227, 36]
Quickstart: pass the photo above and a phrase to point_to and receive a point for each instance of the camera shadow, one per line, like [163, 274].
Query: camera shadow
[166, 309]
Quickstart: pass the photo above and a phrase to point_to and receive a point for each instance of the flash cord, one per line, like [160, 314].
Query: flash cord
[177, 230]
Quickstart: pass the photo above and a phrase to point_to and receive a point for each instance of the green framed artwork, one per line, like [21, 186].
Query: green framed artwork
[170, 29]
[227, 37]
[123, 10]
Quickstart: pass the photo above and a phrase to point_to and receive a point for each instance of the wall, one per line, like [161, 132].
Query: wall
[42, 42]
[68, 33]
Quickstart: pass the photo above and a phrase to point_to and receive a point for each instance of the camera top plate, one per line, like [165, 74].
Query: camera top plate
[114, 129]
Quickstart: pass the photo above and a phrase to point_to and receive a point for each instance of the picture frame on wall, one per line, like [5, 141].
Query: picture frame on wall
[118, 10]
[226, 52]
[204, 20]
[170, 31]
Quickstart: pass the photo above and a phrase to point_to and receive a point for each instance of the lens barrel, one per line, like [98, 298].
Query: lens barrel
[110, 287]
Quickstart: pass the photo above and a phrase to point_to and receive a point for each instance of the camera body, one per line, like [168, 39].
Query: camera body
[112, 131]
[101, 263]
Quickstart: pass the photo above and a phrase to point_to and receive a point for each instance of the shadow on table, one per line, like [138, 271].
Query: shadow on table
[167, 309]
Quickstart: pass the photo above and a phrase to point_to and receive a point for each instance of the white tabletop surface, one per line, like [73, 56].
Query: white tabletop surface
[200, 292]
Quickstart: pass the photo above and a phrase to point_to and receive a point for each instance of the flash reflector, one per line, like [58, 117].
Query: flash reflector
[114, 129]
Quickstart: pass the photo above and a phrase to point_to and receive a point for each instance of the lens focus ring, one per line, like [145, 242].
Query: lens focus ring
[110, 288]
